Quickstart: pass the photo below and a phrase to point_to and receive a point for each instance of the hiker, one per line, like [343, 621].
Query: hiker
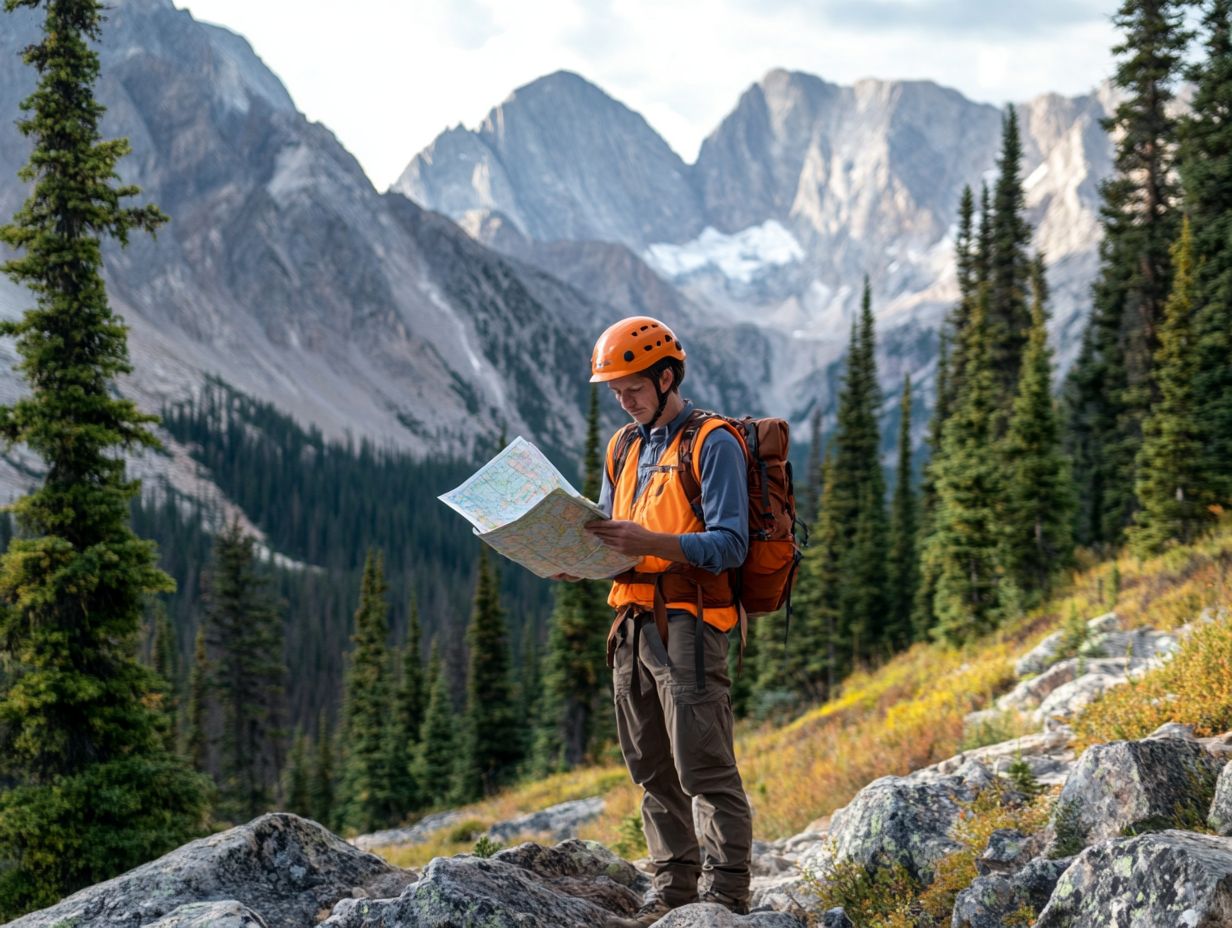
[668, 644]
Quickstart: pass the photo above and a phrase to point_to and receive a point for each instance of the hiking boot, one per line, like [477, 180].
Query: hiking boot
[651, 911]
[736, 908]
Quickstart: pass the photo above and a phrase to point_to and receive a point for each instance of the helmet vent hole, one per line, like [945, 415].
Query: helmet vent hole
[629, 355]
[649, 347]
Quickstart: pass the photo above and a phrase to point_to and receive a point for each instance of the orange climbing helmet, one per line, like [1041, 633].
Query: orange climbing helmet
[632, 345]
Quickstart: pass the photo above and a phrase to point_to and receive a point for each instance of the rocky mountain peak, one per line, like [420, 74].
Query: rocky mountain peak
[561, 159]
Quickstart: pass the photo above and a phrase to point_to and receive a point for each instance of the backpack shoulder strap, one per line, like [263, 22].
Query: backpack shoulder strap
[622, 441]
[690, 465]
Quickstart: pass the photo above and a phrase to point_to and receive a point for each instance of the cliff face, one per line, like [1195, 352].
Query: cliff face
[802, 190]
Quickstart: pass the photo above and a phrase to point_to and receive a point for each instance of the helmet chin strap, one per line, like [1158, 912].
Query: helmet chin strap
[659, 409]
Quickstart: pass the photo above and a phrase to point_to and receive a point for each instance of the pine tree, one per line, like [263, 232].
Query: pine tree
[1038, 508]
[1110, 388]
[364, 800]
[435, 761]
[529, 695]
[243, 633]
[492, 744]
[964, 541]
[196, 739]
[576, 701]
[822, 645]
[296, 786]
[811, 485]
[1173, 499]
[859, 495]
[903, 562]
[321, 781]
[410, 702]
[1206, 172]
[1009, 319]
[163, 662]
[87, 786]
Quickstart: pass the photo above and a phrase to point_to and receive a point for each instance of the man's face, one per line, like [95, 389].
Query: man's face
[636, 395]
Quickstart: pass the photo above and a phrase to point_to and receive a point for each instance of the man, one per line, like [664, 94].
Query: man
[668, 644]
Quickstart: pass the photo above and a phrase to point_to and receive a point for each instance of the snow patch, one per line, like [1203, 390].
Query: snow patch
[740, 257]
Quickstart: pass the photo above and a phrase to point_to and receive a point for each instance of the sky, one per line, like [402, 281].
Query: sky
[387, 77]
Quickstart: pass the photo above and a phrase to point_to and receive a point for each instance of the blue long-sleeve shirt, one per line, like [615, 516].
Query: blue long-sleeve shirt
[725, 494]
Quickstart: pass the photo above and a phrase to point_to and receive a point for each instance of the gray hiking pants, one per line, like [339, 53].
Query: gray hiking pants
[677, 744]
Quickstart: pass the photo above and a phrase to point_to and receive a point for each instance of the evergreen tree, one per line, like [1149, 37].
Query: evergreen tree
[297, 786]
[321, 781]
[163, 663]
[1110, 389]
[822, 645]
[859, 495]
[811, 485]
[1008, 320]
[492, 744]
[1173, 497]
[922, 616]
[410, 702]
[364, 799]
[576, 703]
[904, 565]
[1038, 510]
[435, 761]
[196, 739]
[964, 541]
[243, 633]
[529, 693]
[1206, 171]
[87, 786]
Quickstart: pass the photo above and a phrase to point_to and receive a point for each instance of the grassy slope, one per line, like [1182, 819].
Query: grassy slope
[908, 713]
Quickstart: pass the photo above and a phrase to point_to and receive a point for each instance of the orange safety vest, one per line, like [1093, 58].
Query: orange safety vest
[664, 507]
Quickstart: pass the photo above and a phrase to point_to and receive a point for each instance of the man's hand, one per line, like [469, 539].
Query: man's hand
[632, 540]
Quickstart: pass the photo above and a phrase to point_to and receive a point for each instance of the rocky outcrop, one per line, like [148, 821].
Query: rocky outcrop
[559, 821]
[905, 819]
[709, 915]
[1139, 785]
[990, 899]
[230, 914]
[1220, 815]
[1165, 879]
[286, 869]
[576, 885]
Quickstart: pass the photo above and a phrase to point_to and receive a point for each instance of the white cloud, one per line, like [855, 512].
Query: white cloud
[388, 76]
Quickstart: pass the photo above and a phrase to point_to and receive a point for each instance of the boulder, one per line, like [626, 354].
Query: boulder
[1139, 785]
[412, 834]
[559, 821]
[990, 899]
[1172, 878]
[574, 885]
[835, 918]
[286, 869]
[710, 915]
[1139, 643]
[229, 914]
[1067, 700]
[1007, 852]
[1041, 657]
[1028, 694]
[1220, 815]
[1048, 754]
[905, 819]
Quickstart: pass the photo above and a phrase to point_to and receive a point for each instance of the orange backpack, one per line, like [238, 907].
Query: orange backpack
[763, 583]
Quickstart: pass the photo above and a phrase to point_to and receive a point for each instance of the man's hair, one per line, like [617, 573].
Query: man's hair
[675, 365]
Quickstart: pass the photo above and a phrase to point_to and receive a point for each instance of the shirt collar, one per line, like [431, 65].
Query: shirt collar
[671, 428]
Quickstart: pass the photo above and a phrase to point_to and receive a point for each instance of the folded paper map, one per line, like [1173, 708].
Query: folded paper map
[524, 508]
